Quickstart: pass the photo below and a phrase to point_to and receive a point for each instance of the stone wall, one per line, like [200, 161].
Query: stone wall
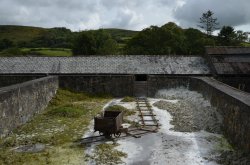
[18, 103]
[165, 82]
[114, 85]
[233, 104]
[7, 80]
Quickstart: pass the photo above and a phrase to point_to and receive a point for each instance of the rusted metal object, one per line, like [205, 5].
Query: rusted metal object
[127, 132]
[110, 123]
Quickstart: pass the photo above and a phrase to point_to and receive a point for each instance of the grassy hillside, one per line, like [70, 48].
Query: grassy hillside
[20, 33]
[47, 52]
[121, 33]
[27, 33]
[25, 40]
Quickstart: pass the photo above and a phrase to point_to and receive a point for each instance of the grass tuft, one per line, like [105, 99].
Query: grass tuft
[107, 154]
[128, 99]
[66, 111]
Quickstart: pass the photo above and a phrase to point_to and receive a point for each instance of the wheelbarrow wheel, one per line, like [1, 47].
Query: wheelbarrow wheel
[117, 134]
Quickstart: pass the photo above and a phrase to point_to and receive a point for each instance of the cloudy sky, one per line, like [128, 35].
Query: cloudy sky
[127, 14]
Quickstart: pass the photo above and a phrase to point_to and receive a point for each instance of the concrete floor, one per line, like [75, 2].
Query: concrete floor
[167, 146]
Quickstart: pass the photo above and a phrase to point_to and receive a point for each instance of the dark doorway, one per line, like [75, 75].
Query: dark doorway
[141, 85]
[141, 77]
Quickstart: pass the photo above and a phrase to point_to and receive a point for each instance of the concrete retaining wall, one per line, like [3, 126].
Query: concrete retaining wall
[233, 104]
[164, 82]
[114, 85]
[18, 103]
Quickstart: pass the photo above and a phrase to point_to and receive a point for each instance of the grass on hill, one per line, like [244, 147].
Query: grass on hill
[20, 33]
[246, 44]
[48, 52]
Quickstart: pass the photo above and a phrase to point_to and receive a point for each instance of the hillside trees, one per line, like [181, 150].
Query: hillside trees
[55, 37]
[241, 36]
[84, 44]
[208, 22]
[196, 41]
[94, 43]
[168, 39]
[5, 44]
[229, 37]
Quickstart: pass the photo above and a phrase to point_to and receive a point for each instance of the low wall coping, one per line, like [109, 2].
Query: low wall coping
[24, 84]
[243, 97]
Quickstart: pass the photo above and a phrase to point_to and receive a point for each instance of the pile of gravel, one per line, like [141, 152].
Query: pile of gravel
[191, 113]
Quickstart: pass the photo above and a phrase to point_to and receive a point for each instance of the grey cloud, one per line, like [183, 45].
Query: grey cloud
[86, 14]
[125, 18]
[129, 14]
[228, 12]
[46, 13]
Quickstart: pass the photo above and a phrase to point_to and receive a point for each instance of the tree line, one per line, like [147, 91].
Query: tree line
[164, 40]
[167, 39]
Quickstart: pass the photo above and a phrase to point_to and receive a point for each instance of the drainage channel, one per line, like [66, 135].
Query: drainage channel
[146, 113]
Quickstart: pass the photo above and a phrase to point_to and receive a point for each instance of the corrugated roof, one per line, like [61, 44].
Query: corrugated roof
[231, 64]
[227, 50]
[230, 60]
[140, 64]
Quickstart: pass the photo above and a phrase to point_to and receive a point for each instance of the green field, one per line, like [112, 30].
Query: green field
[246, 44]
[46, 52]
[51, 52]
